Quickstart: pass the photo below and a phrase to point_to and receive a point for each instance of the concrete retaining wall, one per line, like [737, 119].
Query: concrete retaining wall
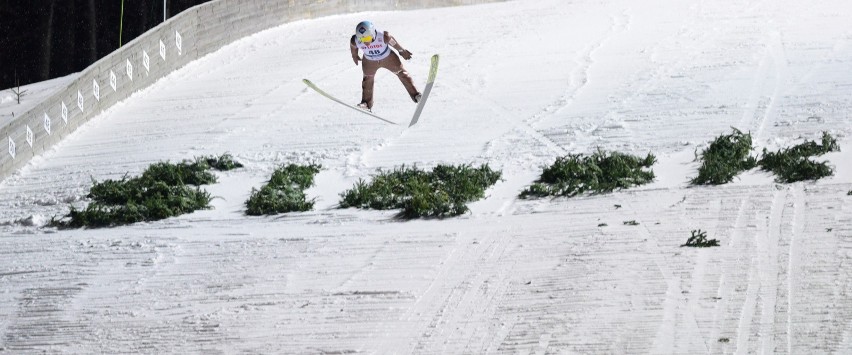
[188, 36]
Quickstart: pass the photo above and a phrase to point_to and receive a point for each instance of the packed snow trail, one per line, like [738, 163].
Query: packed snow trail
[521, 83]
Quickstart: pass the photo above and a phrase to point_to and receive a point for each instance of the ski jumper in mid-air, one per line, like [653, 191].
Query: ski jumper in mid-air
[376, 47]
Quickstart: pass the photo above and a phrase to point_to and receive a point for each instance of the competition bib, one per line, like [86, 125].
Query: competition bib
[376, 50]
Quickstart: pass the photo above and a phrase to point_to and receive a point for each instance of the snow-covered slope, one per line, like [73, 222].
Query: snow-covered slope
[32, 95]
[520, 84]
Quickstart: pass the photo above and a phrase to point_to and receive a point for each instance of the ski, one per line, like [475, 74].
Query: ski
[323, 93]
[433, 71]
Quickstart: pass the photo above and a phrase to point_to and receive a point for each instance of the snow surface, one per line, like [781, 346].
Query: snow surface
[520, 84]
[34, 94]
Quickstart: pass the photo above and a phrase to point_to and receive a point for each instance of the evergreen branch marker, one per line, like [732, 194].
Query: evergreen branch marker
[699, 240]
[163, 190]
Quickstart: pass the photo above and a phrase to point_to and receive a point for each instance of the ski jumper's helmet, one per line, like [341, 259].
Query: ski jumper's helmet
[365, 32]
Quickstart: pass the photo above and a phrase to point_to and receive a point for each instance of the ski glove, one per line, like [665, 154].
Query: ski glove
[405, 54]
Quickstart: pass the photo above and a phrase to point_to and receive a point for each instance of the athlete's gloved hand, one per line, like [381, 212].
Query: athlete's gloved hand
[405, 54]
[355, 59]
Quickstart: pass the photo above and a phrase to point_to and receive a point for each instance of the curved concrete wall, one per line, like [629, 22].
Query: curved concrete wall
[188, 36]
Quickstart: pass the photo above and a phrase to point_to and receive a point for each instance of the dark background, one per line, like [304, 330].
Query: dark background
[45, 39]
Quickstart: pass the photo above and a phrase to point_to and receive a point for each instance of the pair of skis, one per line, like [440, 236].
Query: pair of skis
[433, 71]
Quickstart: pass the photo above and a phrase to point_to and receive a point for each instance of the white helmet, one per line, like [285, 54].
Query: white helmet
[365, 32]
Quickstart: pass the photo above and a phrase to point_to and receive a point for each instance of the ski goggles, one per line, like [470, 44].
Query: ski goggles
[366, 39]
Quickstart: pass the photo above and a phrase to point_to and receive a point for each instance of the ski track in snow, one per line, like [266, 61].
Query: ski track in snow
[531, 81]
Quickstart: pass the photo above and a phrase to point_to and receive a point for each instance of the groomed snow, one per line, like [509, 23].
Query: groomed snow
[520, 84]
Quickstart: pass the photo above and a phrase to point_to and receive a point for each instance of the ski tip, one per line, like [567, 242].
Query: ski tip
[433, 70]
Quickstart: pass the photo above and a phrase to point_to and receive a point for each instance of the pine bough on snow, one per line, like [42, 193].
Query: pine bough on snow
[729, 155]
[443, 192]
[285, 191]
[794, 164]
[162, 191]
[601, 172]
[699, 240]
